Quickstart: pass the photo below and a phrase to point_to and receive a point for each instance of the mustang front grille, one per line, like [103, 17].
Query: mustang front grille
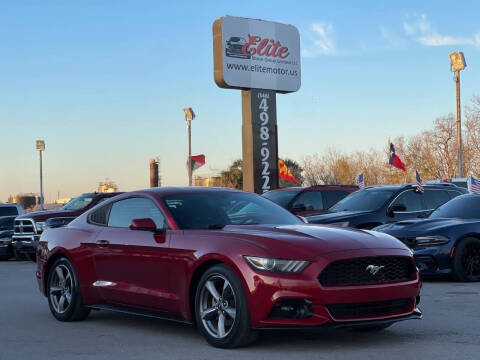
[369, 309]
[368, 270]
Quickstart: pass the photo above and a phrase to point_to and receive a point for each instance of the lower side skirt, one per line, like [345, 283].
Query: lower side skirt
[140, 312]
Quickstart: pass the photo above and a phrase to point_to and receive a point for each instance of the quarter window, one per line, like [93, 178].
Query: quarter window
[124, 211]
[100, 216]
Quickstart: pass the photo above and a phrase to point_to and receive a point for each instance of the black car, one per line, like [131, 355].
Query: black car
[376, 205]
[448, 241]
[233, 47]
[6, 233]
[311, 200]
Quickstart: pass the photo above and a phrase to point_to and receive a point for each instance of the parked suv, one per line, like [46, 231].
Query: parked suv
[28, 227]
[376, 205]
[6, 232]
[311, 200]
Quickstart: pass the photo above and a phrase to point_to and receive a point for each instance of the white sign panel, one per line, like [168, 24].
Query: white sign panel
[256, 54]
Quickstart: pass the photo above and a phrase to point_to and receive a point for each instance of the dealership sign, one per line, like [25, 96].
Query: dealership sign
[251, 53]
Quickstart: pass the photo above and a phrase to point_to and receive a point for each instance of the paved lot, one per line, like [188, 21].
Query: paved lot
[450, 330]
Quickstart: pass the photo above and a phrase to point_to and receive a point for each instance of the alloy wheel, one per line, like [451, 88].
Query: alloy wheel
[61, 288]
[217, 306]
[471, 260]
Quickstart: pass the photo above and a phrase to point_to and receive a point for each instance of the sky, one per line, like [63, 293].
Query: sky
[104, 82]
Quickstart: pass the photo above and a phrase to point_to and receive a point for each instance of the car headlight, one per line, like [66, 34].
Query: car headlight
[341, 224]
[5, 241]
[40, 226]
[431, 240]
[277, 265]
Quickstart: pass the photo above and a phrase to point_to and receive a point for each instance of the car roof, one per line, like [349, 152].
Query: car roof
[445, 186]
[171, 190]
[325, 187]
[8, 204]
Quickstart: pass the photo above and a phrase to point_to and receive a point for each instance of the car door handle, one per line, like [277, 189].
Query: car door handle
[102, 243]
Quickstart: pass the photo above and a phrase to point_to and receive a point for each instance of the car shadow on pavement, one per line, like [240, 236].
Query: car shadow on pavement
[318, 338]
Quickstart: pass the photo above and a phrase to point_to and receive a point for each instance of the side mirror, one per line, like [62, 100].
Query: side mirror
[395, 208]
[145, 224]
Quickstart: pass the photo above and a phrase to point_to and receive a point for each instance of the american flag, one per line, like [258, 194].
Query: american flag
[361, 181]
[474, 185]
[419, 183]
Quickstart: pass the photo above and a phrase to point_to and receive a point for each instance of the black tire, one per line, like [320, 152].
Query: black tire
[240, 332]
[466, 260]
[371, 328]
[18, 255]
[74, 310]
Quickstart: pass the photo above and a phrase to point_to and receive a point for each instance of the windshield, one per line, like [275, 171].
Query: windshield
[282, 198]
[463, 207]
[79, 203]
[215, 209]
[363, 200]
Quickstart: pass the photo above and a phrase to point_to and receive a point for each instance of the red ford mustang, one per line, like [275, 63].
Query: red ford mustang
[231, 262]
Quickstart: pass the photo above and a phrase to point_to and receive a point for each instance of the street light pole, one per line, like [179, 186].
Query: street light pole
[457, 63]
[41, 147]
[189, 116]
[189, 130]
[459, 126]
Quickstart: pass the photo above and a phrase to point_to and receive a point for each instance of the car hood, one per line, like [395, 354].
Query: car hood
[44, 215]
[311, 239]
[333, 217]
[423, 225]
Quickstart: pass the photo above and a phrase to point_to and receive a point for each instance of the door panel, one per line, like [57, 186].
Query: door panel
[132, 268]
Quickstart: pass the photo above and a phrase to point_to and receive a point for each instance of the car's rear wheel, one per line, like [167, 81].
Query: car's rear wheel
[221, 309]
[63, 291]
[466, 260]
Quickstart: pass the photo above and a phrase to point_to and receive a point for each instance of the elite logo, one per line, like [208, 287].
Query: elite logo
[264, 47]
[374, 269]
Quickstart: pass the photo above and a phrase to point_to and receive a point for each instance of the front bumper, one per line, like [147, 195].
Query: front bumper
[433, 260]
[25, 244]
[416, 315]
[267, 290]
[6, 249]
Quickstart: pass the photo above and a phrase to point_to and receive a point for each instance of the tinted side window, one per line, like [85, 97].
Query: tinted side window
[411, 200]
[8, 210]
[312, 200]
[453, 193]
[332, 197]
[124, 211]
[435, 198]
[100, 216]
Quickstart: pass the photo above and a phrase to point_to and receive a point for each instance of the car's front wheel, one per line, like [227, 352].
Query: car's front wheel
[466, 260]
[64, 296]
[221, 309]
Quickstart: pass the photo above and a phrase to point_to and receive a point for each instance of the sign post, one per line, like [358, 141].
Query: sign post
[261, 58]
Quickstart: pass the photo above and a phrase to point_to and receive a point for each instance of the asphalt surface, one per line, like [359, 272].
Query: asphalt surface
[450, 329]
